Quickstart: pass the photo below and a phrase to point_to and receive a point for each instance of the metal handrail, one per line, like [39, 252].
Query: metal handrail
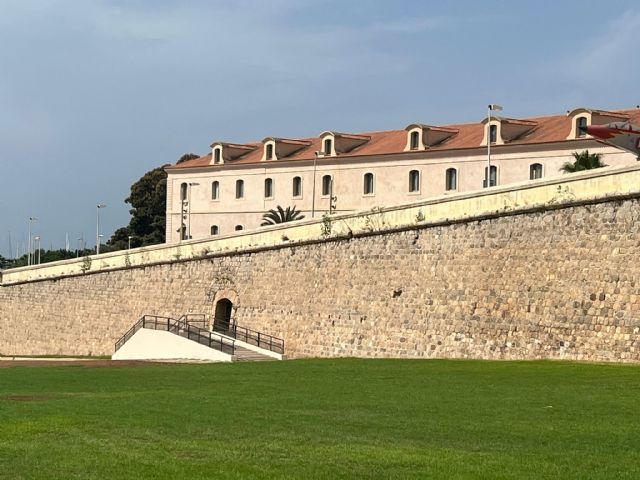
[182, 328]
[248, 335]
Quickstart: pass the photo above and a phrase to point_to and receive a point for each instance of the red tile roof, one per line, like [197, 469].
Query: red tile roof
[549, 129]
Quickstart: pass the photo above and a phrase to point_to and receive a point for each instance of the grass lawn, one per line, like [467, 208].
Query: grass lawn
[343, 418]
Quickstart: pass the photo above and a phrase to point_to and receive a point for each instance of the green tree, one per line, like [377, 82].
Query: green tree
[583, 161]
[279, 215]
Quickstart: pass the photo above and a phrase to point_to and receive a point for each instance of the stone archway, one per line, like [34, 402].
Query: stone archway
[225, 304]
[222, 315]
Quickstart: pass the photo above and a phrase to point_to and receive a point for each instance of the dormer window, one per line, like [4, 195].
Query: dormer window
[217, 155]
[581, 125]
[493, 134]
[328, 143]
[415, 140]
[269, 152]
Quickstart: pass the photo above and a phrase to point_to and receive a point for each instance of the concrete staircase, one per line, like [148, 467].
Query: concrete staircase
[243, 354]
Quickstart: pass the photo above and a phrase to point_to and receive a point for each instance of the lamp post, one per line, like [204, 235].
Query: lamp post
[313, 190]
[191, 184]
[29, 256]
[36, 240]
[491, 107]
[98, 207]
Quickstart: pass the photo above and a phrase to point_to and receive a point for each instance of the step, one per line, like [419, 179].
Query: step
[243, 354]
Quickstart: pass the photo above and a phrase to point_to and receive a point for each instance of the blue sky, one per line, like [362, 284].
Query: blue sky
[95, 93]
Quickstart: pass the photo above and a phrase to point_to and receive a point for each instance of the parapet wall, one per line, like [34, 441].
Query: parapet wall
[545, 269]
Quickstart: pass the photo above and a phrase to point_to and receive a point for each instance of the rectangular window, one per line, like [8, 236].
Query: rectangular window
[493, 181]
[239, 188]
[368, 187]
[297, 187]
[328, 146]
[493, 133]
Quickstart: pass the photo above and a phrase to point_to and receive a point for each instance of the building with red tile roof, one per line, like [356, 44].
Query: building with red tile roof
[233, 185]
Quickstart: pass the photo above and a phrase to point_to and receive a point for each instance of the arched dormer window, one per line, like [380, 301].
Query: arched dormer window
[217, 155]
[215, 190]
[415, 140]
[239, 188]
[414, 181]
[183, 191]
[215, 230]
[451, 179]
[268, 188]
[297, 187]
[327, 147]
[581, 125]
[269, 151]
[535, 171]
[493, 134]
[368, 184]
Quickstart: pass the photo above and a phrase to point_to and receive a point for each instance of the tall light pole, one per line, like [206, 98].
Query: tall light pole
[98, 207]
[29, 256]
[313, 189]
[36, 240]
[191, 184]
[491, 107]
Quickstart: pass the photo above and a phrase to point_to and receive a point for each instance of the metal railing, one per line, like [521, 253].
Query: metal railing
[182, 328]
[254, 337]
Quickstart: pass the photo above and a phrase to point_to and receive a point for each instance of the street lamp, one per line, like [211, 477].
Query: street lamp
[36, 240]
[313, 190]
[98, 207]
[191, 184]
[491, 107]
[29, 256]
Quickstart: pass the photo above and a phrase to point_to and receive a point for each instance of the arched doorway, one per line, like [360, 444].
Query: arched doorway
[222, 316]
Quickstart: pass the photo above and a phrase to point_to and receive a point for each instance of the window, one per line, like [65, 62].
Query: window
[493, 133]
[414, 181]
[451, 179]
[368, 183]
[239, 188]
[268, 188]
[183, 232]
[183, 191]
[297, 186]
[239, 227]
[269, 154]
[415, 139]
[326, 185]
[494, 177]
[215, 230]
[581, 125]
[535, 171]
[327, 146]
[217, 156]
[215, 190]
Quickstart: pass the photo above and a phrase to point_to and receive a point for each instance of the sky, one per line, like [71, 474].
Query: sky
[94, 93]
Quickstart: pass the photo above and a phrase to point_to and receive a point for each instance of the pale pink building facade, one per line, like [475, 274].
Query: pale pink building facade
[232, 186]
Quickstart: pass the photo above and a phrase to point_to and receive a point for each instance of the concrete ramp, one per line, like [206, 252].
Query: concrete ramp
[146, 344]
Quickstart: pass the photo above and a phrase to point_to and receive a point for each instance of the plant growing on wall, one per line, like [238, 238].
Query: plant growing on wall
[583, 161]
[327, 225]
[280, 215]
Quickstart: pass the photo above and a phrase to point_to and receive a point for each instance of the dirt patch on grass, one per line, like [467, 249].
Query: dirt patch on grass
[29, 398]
[75, 363]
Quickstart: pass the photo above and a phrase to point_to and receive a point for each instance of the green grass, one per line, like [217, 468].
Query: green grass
[322, 419]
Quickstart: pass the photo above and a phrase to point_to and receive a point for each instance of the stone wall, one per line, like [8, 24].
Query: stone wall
[542, 283]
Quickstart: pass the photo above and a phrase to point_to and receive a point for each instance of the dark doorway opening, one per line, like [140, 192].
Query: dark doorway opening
[222, 317]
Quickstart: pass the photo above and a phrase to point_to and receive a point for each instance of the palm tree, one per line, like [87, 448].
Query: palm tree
[584, 161]
[279, 215]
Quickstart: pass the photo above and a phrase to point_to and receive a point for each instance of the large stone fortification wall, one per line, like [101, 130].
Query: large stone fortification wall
[554, 281]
